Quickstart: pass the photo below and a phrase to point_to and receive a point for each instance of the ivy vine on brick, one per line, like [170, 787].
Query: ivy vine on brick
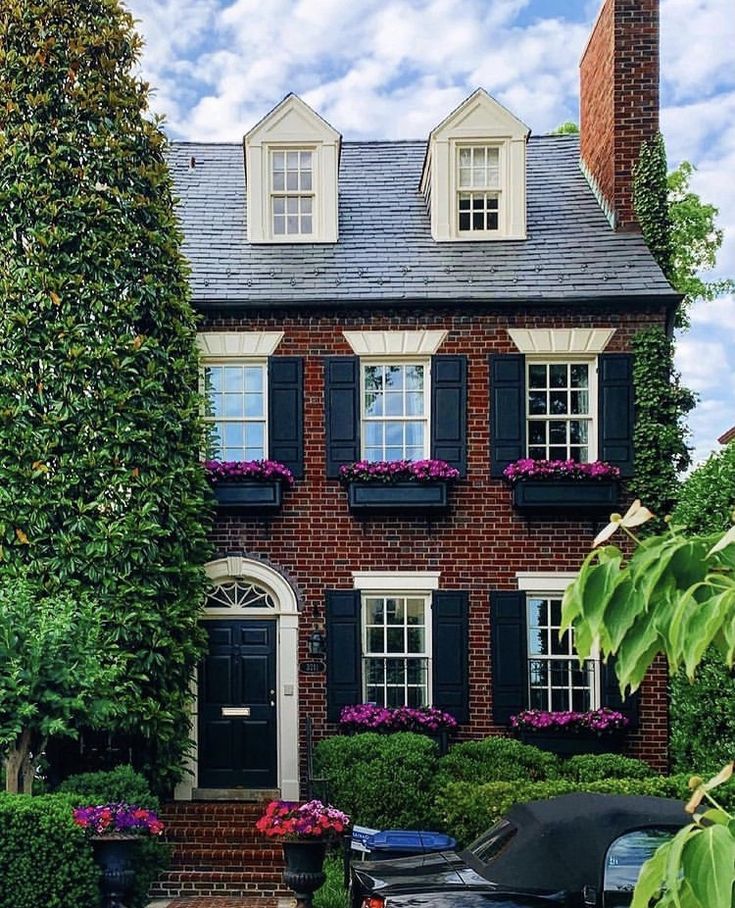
[651, 203]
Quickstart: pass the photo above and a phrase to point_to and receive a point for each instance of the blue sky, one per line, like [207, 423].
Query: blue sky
[395, 68]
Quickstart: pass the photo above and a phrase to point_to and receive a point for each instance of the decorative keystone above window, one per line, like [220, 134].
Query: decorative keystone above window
[561, 341]
[474, 177]
[291, 164]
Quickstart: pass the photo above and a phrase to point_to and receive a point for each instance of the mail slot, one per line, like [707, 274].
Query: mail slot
[235, 710]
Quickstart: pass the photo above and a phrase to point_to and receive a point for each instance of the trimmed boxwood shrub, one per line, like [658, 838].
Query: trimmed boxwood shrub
[465, 810]
[599, 767]
[45, 859]
[497, 759]
[384, 781]
[124, 784]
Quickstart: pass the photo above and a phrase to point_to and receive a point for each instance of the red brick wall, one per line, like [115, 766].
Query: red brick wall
[478, 547]
[619, 97]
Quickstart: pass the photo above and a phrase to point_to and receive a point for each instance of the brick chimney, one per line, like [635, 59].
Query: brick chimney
[619, 92]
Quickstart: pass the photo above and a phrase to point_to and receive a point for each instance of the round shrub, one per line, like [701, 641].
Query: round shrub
[599, 767]
[123, 783]
[497, 759]
[383, 781]
[45, 859]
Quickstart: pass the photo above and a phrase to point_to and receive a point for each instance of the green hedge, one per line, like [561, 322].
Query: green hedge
[496, 759]
[598, 767]
[45, 859]
[465, 810]
[124, 784]
[384, 781]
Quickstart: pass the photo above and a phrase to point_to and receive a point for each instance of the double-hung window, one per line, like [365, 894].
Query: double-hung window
[556, 680]
[292, 192]
[560, 410]
[396, 647]
[395, 410]
[478, 189]
[236, 407]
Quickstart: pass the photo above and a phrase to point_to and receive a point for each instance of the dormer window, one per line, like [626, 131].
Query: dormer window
[291, 164]
[474, 178]
[478, 185]
[292, 193]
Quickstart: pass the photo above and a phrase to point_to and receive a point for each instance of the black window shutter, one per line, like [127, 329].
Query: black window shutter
[449, 410]
[610, 693]
[509, 654]
[342, 406]
[615, 383]
[507, 411]
[450, 643]
[344, 656]
[286, 412]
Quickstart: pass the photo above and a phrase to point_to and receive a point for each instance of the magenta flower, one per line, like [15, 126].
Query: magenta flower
[118, 819]
[247, 471]
[525, 468]
[388, 471]
[365, 717]
[601, 721]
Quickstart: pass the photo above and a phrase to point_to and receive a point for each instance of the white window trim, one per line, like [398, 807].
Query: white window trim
[238, 344]
[561, 341]
[382, 582]
[240, 361]
[395, 343]
[553, 586]
[501, 190]
[428, 642]
[397, 361]
[593, 416]
[314, 194]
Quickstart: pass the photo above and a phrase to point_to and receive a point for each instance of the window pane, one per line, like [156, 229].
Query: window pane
[374, 611]
[580, 402]
[537, 376]
[305, 206]
[415, 671]
[233, 434]
[464, 222]
[537, 433]
[537, 612]
[374, 434]
[559, 402]
[306, 160]
[375, 671]
[415, 434]
[279, 206]
[537, 642]
[394, 435]
[253, 378]
[278, 160]
[373, 377]
[414, 611]
[292, 205]
[254, 405]
[279, 224]
[233, 378]
[537, 403]
[414, 377]
[394, 611]
[465, 157]
[394, 403]
[579, 375]
[375, 643]
[306, 182]
[292, 160]
[292, 224]
[414, 403]
[394, 377]
[578, 432]
[278, 183]
[415, 640]
[255, 438]
[232, 405]
[373, 407]
[558, 375]
[558, 433]
[394, 671]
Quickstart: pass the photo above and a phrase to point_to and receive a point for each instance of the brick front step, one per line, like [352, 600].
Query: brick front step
[225, 902]
[218, 852]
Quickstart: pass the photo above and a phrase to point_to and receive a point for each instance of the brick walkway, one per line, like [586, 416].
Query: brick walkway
[224, 902]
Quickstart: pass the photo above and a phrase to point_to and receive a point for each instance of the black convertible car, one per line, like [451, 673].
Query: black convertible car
[575, 851]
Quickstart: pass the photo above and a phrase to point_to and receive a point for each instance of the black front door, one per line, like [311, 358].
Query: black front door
[237, 706]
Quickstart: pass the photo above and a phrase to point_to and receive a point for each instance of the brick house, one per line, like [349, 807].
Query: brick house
[471, 298]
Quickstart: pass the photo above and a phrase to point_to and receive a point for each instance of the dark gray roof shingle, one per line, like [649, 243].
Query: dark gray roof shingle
[385, 250]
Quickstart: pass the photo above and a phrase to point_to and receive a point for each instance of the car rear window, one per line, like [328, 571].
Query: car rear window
[624, 860]
[491, 843]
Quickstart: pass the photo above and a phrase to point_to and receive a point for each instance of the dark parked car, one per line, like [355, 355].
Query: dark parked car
[573, 851]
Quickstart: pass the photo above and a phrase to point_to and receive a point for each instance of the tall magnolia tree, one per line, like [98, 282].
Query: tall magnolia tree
[100, 427]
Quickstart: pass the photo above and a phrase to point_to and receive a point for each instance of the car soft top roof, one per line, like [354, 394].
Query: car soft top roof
[561, 843]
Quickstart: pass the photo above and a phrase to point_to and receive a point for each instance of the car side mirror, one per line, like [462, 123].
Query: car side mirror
[589, 897]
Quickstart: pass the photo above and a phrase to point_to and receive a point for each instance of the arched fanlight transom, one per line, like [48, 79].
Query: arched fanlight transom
[239, 594]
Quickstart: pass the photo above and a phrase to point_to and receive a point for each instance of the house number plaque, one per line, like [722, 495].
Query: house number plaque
[312, 668]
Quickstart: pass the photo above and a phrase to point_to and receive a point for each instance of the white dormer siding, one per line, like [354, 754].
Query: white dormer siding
[474, 177]
[291, 164]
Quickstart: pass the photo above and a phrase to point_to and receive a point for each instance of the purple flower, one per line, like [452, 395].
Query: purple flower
[247, 471]
[111, 819]
[600, 721]
[365, 717]
[388, 471]
[526, 468]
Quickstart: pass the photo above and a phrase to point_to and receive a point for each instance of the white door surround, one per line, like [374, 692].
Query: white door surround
[280, 605]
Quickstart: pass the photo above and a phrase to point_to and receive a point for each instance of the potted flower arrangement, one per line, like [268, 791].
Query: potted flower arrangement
[113, 830]
[426, 720]
[593, 731]
[304, 830]
[563, 485]
[398, 485]
[248, 486]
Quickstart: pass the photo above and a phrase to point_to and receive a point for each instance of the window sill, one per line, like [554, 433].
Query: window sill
[568, 495]
[569, 743]
[249, 497]
[398, 497]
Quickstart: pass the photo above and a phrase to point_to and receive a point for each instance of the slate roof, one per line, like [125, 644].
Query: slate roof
[385, 250]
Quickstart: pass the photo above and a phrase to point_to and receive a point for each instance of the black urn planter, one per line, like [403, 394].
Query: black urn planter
[304, 872]
[576, 495]
[248, 497]
[398, 497]
[569, 743]
[114, 855]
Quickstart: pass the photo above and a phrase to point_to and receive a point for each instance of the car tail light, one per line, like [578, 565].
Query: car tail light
[373, 901]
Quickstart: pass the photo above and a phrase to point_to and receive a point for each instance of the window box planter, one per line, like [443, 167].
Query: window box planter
[398, 497]
[578, 495]
[245, 497]
[571, 743]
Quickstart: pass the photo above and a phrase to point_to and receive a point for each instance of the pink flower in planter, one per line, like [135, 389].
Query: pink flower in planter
[526, 468]
[600, 721]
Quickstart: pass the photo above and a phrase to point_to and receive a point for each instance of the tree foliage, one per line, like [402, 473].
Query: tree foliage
[55, 673]
[100, 422]
[568, 128]
[695, 242]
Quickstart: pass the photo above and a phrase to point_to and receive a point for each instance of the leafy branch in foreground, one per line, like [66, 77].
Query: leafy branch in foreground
[674, 596]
